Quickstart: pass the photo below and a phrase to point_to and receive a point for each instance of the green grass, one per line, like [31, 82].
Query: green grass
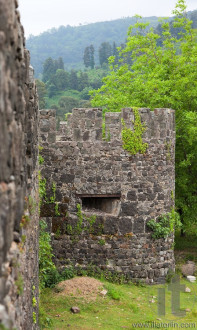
[123, 305]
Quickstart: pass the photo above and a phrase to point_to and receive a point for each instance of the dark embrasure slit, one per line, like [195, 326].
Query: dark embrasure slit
[105, 204]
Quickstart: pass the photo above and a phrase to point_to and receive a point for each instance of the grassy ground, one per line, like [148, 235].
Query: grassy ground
[126, 304]
[123, 306]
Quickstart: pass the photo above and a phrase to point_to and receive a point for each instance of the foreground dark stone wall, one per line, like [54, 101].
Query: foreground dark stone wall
[18, 176]
[123, 191]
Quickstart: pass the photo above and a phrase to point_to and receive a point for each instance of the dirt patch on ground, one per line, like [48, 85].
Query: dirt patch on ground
[87, 288]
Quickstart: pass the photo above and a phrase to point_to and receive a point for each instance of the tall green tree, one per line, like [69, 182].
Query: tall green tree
[88, 57]
[162, 77]
[92, 61]
[105, 51]
[60, 63]
[73, 81]
[49, 69]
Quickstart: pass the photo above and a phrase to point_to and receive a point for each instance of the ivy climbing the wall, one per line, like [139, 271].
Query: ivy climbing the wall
[165, 224]
[84, 223]
[132, 139]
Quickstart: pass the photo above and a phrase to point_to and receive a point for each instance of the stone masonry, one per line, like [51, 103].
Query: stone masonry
[123, 191]
[18, 177]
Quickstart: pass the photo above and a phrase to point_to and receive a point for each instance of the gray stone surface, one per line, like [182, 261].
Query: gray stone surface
[188, 269]
[124, 191]
[18, 175]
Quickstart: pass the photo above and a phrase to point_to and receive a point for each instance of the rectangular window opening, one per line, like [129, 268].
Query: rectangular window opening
[101, 204]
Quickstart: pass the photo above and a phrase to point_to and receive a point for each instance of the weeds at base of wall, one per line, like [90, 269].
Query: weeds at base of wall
[110, 276]
[44, 320]
[55, 276]
[169, 275]
[46, 264]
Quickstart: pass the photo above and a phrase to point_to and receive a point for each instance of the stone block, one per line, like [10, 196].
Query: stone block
[67, 178]
[129, 209]
[138, 226]
[125, 226]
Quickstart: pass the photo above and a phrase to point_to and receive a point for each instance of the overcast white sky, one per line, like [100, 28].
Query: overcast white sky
[40, 15]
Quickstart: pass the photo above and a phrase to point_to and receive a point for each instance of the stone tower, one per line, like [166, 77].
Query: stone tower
[121, 190]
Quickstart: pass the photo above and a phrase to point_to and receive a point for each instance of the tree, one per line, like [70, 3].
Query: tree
[162, 77]
[60, 63]
[73, 81]
[42, 92]
[85, 93]
[92, 62]
[60, 79]
[88, 57]
[105, 51]
[49, 69]
[67, 103]
[82, 81]
[52, 90]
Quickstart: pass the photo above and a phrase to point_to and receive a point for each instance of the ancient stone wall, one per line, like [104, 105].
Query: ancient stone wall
[18, 177]
[123, 191]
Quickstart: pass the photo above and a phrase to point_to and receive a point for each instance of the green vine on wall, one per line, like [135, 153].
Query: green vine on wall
[34, 304]
[43, 194]
[42, 187]
[165, 224]
[84, 223]
[132, 139]
[46, 264]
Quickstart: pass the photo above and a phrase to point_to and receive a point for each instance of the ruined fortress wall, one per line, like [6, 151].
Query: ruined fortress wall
[18, 176]
[124, 191]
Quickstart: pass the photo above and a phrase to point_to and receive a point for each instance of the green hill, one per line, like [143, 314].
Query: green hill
[69, 42]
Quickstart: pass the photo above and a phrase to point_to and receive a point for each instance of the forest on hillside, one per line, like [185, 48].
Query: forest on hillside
[62, 88]
[69, 42]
